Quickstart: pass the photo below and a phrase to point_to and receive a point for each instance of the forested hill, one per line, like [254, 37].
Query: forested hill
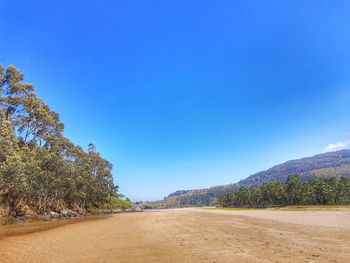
[330, 164]
[41, 171]
[326, 164]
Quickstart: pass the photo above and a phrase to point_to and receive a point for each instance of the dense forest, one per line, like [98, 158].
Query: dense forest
[325, 165]
[40, 169]
[295, 191]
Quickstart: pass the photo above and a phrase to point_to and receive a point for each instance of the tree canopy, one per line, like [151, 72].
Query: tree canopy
[296, 191]
[40, 169]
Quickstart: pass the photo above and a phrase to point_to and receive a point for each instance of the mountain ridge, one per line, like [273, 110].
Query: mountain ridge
[302, 166]
[328, 164]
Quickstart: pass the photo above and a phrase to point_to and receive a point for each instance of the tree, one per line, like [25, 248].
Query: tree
[295, 187]
[296, 191]
[39, 167]
[12, 180]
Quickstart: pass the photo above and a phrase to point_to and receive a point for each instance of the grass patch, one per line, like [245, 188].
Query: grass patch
[286, 208]
[312, 208]
[231, 208]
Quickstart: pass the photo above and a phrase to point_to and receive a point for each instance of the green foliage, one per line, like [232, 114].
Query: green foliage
[39, 167]
[296, 191]
[117, 203]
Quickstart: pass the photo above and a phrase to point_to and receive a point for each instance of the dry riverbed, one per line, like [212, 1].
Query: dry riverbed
[187, 235]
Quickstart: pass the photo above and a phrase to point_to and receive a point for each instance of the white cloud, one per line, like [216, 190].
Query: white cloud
[337, 146]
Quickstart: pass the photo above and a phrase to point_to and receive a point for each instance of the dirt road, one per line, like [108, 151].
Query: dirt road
[190, 235]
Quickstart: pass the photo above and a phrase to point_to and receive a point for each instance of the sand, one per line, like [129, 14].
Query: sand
[188, 235]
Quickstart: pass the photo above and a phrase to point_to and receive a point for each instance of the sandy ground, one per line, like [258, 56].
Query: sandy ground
[189, 235]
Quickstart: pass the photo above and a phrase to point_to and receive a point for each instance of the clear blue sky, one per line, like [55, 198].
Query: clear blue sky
[188, 94]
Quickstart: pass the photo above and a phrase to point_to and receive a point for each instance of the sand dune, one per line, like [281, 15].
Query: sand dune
[189, 235]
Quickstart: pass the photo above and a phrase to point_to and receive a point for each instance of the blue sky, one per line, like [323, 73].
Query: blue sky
[188, 94]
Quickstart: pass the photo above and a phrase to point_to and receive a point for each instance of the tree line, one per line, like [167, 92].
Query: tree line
[295, 191]
[40, 169]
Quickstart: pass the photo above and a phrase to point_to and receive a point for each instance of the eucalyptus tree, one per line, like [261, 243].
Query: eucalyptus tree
[12, 179]
[39, 167]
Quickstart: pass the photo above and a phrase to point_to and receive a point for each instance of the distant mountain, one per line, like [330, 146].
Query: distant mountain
[200, 197]
[179, 192]
[322, 165]
[326, 164]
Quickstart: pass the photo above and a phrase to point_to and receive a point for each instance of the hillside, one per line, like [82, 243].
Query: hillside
[322, 165]
[326, 164]
[200, 197]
